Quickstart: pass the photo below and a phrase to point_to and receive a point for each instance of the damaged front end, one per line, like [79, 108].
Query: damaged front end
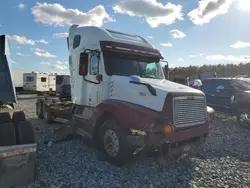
[172, 141]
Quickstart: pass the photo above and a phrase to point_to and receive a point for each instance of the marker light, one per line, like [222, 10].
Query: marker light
[167, 129]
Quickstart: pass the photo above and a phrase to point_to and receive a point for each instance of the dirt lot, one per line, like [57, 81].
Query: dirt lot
[224, 161]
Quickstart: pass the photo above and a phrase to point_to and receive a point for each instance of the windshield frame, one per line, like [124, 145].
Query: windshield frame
[139, 59]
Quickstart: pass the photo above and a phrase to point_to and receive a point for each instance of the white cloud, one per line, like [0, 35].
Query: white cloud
[45, 63]
[39, 50]
[60, 67]
[20, 54]
[11, 61]
[166, 44]
[180, 59]
[229, 58]
[201, 54]
[44, 54]
[61, 63]
[56, 14]
[21, 40]
[192, 56]
[61, 35]
[175, 33]
[21, 5]
[155, 13]
[42, 41]
[24, 40]
[209, 9]
[17, 47]
[240, 44]
[150, 37]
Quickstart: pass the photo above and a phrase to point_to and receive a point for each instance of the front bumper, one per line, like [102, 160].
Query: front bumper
[178, 140]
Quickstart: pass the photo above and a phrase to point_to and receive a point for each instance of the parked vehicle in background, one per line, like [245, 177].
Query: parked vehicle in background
[39, 81]
[121, 100]
[18, 78]
[229, 95]
[63, 90]
[17, 138]
[207, 75]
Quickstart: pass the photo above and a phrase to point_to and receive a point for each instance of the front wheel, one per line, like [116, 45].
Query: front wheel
[114, 143]
[244, 119]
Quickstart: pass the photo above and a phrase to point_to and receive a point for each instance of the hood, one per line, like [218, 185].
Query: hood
[169, 86]
[122, 89]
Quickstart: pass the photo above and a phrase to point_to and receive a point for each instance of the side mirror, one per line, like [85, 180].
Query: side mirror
[220, 87]
[83, 64]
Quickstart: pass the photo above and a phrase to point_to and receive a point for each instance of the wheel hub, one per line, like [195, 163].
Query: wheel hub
[111, 143]
[245, 118]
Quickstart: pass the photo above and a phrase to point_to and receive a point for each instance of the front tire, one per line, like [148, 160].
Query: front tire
[114, 144]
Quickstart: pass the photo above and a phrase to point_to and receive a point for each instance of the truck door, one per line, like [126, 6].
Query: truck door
[224, 92]
[93, 80]
[208, 87]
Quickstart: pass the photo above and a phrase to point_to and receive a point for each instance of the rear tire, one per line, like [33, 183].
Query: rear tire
[5, 117]
[25, 133]
[7, 134]
[39, 109]
[114, 144]
[48, 117]
[16, 119]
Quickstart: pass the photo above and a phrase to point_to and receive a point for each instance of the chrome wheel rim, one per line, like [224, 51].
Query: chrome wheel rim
[245, 118]
[111, 143]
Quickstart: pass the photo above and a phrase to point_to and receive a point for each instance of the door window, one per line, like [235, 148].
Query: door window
[43, 79]
[29, 79]
[77, 41]
[94, 65]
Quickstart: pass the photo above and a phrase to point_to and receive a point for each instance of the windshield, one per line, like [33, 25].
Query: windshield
[242, 84]
[123, 66]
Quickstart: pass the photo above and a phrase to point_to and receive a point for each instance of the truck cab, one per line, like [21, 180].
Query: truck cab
[121, 98]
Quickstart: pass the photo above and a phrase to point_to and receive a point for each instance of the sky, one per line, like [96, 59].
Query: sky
[187, 32]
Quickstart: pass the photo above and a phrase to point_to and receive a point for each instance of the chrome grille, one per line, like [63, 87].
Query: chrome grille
[189, 111]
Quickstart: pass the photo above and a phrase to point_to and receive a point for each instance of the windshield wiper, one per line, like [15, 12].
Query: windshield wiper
[150, 88]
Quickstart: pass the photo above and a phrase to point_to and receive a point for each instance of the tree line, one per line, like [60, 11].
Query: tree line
[222, 70]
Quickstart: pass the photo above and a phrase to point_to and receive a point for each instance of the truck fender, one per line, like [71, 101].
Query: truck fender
[127, 114]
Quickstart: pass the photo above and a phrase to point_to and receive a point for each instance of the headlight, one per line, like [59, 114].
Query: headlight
[210, 113]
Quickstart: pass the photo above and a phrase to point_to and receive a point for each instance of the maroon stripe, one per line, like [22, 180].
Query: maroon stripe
[129, 46]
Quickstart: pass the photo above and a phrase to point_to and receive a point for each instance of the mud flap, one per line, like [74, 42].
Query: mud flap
[17, 165]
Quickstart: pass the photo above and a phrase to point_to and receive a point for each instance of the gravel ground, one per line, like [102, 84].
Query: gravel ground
[225, 161]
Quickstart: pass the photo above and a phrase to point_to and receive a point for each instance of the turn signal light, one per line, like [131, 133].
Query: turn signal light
[210, 117]
[167, 129]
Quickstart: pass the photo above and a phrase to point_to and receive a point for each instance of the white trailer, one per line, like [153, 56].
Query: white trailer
[39, 81]
[18, 77]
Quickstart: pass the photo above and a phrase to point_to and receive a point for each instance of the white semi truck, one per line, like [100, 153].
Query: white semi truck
[121, 100]
[17, 139]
